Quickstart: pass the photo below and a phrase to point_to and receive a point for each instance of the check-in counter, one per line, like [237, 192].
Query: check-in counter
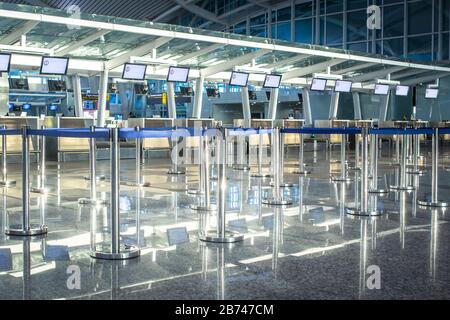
[153, 144]
[71, 145]
[292, 139]
[14, 143]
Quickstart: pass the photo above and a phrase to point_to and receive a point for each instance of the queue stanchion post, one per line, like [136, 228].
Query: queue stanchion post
[403, 185]
[242, 153]
[206, 167]
[276, 199]
[199, 190]
[301, 164]
[175, 170]
[116, 251]
[5, 182]
[41, 178]
[260, 173]
[364, 209]
[26, 228]
[92, 174]
[222, 235]
[343, 177]
[282, 183]
[434, 201]
[374, 149]
[416, 155]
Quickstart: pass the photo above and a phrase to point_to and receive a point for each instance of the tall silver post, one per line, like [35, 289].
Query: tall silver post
[301, 164]
[282, 183]
[343, 176]
[26, 229]
[364, 209]
[5, 182]
[374, 148]
[222, 235]
[276, 199]
[92, 174]
[41, 179]
[116, 252]
[416, 155]
[199, 190]
[242, 153]
[175, 169]
[434, 201]
[403, 186]
[260, 174]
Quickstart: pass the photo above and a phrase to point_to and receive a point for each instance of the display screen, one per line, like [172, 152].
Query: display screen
[431, 93]
[402, 91]
[132, 71]
[177, 236]
[26, 106]
[53, 107]
[178, 74]
[272, 81]
[343, 86]
[5, 61]
[381, 89]
[318, 84]
[239, 79]
[11, 106]
[54, 65]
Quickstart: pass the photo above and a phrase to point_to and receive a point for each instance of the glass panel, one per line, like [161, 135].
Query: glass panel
[303, 9]
[356, 4]
[334, 6]
[419, 48]
[358, 46]
[419, 17]
[284, 31]
[303, 31]
[258, 20]
[393, 47]
[393, 18]
[284, 14]
[334, 29]
[356, 25]
[258, 31]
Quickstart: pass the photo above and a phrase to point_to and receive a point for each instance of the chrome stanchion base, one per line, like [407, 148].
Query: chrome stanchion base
[195, 192]
[341, 179]
[126, 252]
[418, 172]
[176, 171]
[379, 191]
[93, 202]
[261, 175]
[203, 208]
[18, 230]
[301, 172]
[241, 167]
[353, 169]
[134, 184]
[98, 178]
[8, 183]
[229, 237]
[401, 188]
[358, 212]
[38, 190]
[276, 202]
[438, 204]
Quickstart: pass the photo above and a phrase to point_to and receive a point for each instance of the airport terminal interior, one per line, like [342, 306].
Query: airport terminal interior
[224, 149]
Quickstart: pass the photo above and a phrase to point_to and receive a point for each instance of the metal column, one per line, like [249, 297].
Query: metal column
[171, 104]
[198, 98]
[245, 104]
[102, 95]
[273, 104]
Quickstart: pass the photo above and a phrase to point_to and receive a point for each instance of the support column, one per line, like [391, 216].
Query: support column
[357, 105]
[245, 103]
[334, 103]
[198, 98]
[306, 107]
[384, 108]
[171, 104]
[102, 94]
[273, 104]
[77, 96]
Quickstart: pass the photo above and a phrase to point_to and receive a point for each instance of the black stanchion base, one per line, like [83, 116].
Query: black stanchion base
[39, 190]
[134, 184]
[241, 167]
[98, 178]
[8, 183]
[437, 204]
[379, 191]
[276, 202]
[176, 172]
[229, 237]
[301, 172]
[125, 252]
[261, 175]
[357, 212]
[341, 179]
[18, 230]
[418, 172]
[203, 208]
[93, 202]
[401, 188]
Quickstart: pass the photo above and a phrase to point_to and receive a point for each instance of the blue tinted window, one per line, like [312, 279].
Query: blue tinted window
[419, 48]
[303, 31]
[284, 31]
[334, 29]
[303, 9]
[356, 25]
[393, 47]
[393, 19]
[419, 17]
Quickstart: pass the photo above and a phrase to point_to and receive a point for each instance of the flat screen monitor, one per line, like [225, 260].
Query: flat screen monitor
[318, 84]
[381, 89]
[177, 236]
[134, 71]
[431, 93]
[26, 106]
[402, 91]
[5, 62]
[343, 86]
[11, 106]
[239, 79]
[272, 81]
[178, 74]
[56, 85]
[53, 107]
[54, 65]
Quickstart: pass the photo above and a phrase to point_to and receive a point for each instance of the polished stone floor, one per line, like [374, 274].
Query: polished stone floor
[309, 250]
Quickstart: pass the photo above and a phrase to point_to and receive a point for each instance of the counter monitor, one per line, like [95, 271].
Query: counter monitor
[318, 84]
[402, 91]
[239, 79]
[343, 86]
[54, 65]
[431, 93]
[272, 81]
[381, 89]
[133, 71]
[5, 62]
[178, 74]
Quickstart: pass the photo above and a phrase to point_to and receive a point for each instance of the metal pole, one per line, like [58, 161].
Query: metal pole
[282, 183]
[5, 182]
[416, 156]
[260, 174]
[374, 151]
[26, 229]
[199, 190]
[41, 180]
[175, 170]
[403, 184]
[434, 201]
[343, 177]
[301, 163]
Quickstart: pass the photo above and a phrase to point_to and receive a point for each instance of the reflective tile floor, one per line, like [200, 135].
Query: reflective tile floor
[310, 250]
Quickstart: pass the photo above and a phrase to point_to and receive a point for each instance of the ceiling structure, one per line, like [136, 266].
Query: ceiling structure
[96, 43]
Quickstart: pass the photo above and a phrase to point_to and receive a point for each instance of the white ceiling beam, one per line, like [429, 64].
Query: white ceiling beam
[376, 74]
[288, 61]
[355, 68]
[82, 42]
[137, 52]
[200, 52]
[15, 36]
[318, 67]
[227, 65]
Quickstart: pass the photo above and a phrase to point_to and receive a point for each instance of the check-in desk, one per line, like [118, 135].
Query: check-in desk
[332, 139]
[70, 145]
[153, 144]
[14, 143]
[292, 139]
